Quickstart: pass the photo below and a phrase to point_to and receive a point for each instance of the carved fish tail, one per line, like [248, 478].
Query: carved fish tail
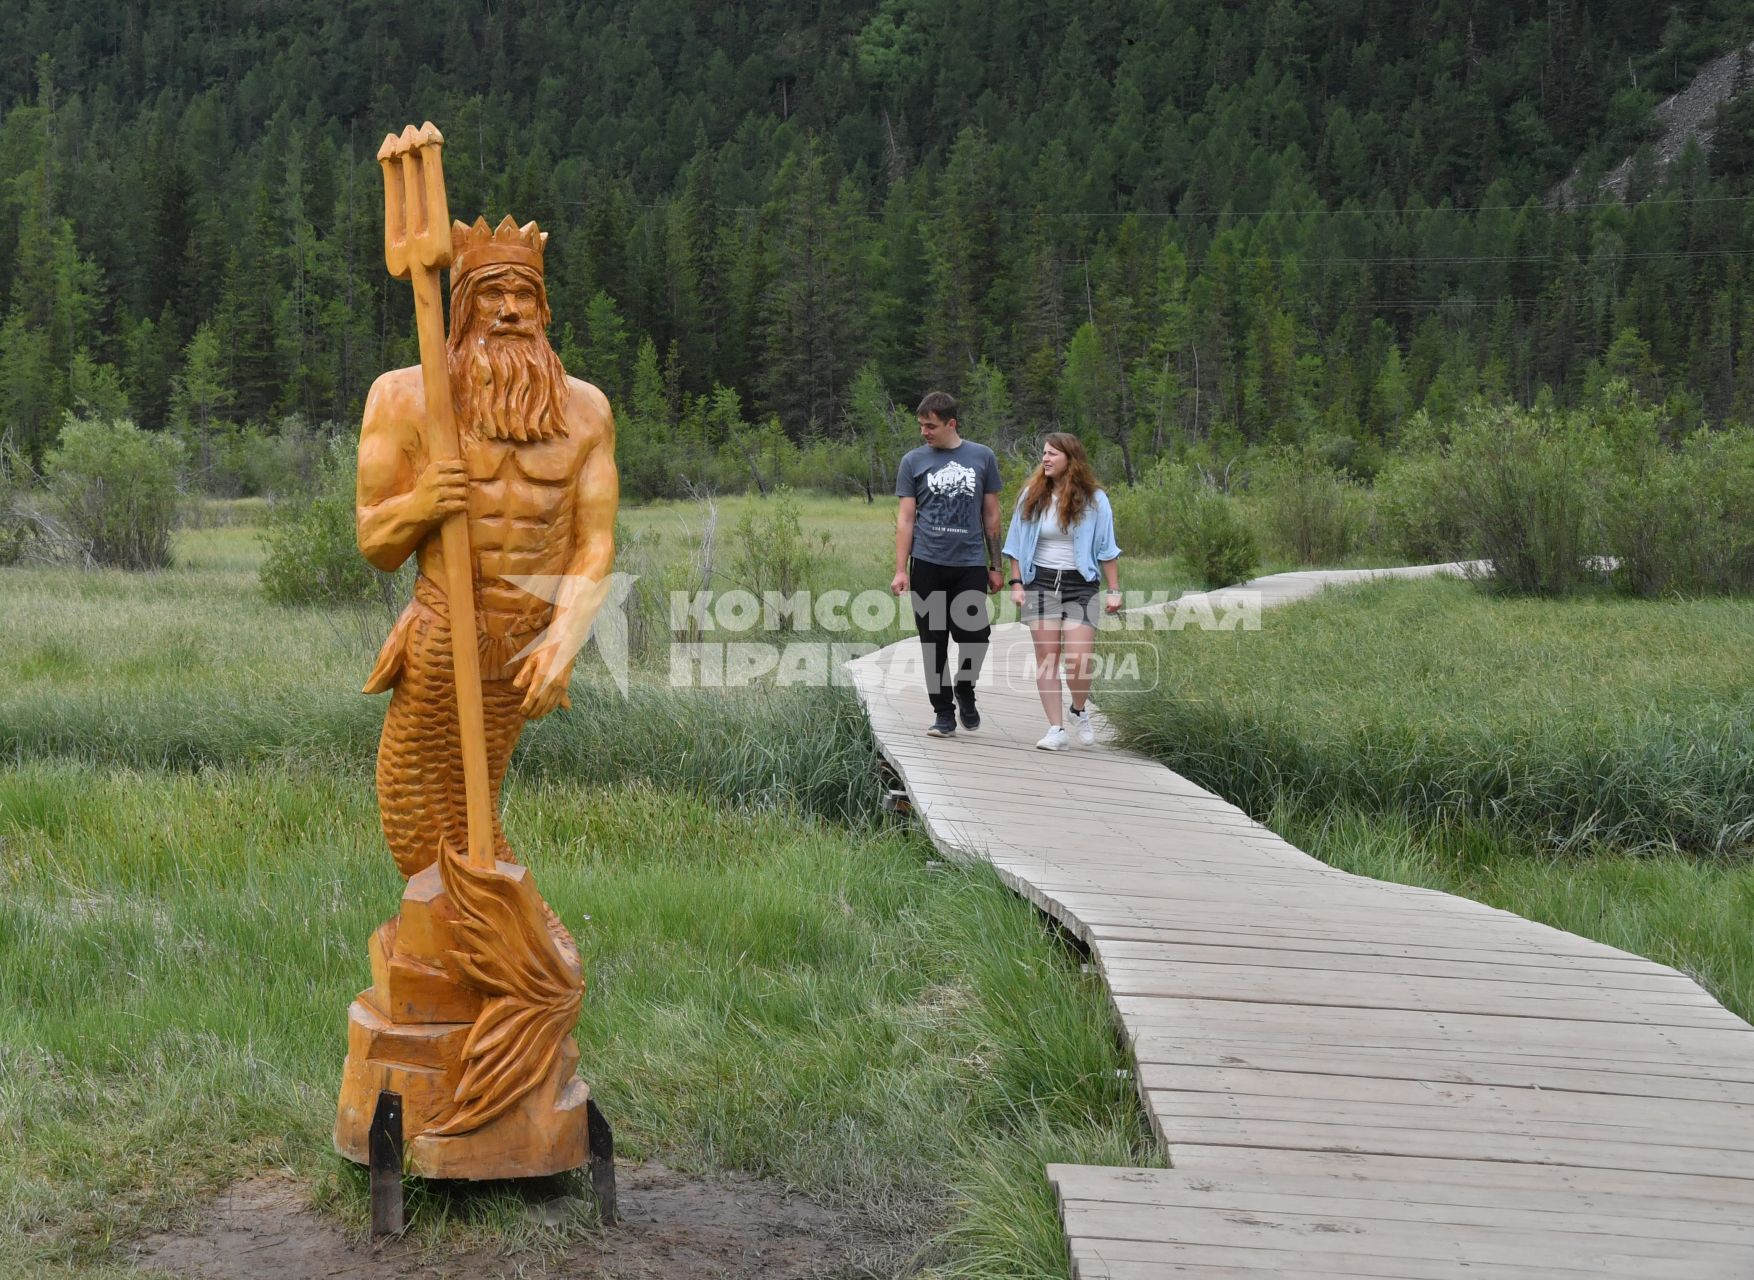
[509, 950]
[420, 758]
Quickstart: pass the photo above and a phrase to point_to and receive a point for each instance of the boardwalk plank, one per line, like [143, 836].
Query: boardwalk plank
[1379, 1248]
[1450, 1142]
[1104, 1259]
[1444, 1066]
[1726, 1122]
[1586, 1117]
[1684, 1196]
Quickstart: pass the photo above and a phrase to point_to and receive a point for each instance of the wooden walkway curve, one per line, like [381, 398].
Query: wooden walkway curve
[1352, 1078]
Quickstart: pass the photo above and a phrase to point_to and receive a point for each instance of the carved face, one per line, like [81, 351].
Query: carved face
[506, 381]
[507, 306]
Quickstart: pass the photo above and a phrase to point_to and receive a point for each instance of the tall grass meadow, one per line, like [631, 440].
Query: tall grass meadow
[780, 979]
[1597, 724]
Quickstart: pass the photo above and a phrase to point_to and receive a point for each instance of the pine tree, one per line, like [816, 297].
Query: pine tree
[200, 396]
[32, 396]
[249, 314]
[812, 306]
[962, 244]
[605, 351]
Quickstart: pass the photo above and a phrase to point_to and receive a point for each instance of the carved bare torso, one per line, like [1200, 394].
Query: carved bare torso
[521, 522]
[536, 508]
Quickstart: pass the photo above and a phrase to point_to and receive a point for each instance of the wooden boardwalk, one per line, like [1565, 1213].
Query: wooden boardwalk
[1351, 1078]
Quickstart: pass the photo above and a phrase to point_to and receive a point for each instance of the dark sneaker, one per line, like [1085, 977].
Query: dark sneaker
[971, 717]
[944, 726]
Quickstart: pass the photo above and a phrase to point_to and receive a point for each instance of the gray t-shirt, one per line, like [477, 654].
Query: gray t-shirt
[947, 486]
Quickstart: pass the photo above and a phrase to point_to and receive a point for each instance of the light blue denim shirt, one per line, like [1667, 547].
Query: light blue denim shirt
[1093, 538]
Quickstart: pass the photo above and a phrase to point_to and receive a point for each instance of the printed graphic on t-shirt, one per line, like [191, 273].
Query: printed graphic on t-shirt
[954, 480]
[946, 486]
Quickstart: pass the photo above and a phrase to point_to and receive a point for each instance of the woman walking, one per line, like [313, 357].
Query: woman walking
[1062, 531]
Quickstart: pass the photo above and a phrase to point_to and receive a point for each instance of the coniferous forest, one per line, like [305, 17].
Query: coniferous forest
[1169, 225]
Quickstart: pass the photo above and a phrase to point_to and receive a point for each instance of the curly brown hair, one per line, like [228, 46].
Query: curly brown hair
[1076, 485]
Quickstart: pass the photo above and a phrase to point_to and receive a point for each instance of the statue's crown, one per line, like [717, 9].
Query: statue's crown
[479, 246]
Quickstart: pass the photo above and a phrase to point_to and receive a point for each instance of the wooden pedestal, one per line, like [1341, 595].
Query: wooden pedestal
[407, 1034]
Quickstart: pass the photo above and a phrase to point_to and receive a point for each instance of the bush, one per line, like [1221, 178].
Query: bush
[1533, 484]
[1419, 507]
[17, 523]
[1313, 514]
[228, 460]
[116, 488]
[842, 468]
[1522, 489]
[1212, 537]
[1681, 522]
[646, 608]
[1145, 513]
[771, 551]
[313, 554]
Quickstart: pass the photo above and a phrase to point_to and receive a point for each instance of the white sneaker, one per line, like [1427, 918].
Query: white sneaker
[1083, 728]
[1054, 739]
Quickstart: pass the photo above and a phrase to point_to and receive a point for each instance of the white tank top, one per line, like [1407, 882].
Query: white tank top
[1053, 546]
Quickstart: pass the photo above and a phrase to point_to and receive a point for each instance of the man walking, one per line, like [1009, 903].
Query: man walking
[947, 553]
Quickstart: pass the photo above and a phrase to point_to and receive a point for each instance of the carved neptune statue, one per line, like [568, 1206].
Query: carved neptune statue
[492, 467]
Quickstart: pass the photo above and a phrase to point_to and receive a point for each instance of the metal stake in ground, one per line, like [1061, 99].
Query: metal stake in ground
[386, 1164]
[602, 1163]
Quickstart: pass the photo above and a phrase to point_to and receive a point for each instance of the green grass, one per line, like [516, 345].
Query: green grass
[177, 951]
[1595, 722]
[192, 669]
[860, 538]
[854, 543]
[778, 982]
[1588, 764]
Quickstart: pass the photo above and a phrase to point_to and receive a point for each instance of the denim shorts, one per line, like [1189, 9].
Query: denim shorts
[1061, 593]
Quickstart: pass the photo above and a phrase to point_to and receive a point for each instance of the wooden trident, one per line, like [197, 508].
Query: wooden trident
[417, 246]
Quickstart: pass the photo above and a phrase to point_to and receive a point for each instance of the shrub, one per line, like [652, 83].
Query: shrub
[638, 554]
[1533, 485]
[1212, 537]
[771, 551]
[229, 460]
[1145, 513]
[1521, 489]
[1419, 507]
[313, 554]
[17, 523]
[116, 488]
[1016, 465]
[1681, 523]
[1312, 513]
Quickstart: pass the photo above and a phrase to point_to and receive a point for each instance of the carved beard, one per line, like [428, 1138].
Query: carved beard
[508, 388]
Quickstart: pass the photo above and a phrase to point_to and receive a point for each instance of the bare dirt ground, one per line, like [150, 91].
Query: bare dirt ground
[673, 1225]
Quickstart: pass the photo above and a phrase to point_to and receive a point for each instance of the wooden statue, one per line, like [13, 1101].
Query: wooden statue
[491, 466]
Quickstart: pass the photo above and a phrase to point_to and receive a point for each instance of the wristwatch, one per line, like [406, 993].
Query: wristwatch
[1014, 582]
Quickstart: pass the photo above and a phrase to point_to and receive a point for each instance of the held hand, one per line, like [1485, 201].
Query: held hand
[441, 490]
[543, 677]
[995, 580]
[898, 584]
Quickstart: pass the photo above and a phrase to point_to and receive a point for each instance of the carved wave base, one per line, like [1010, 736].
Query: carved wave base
[406, 1033]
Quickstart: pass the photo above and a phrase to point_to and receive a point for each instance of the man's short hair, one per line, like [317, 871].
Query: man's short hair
[939, 404]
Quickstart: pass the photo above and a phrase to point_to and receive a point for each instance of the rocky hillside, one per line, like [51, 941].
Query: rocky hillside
[1683, 116]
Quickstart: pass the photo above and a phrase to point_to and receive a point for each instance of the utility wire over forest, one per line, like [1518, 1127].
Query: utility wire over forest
[1164, 224]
